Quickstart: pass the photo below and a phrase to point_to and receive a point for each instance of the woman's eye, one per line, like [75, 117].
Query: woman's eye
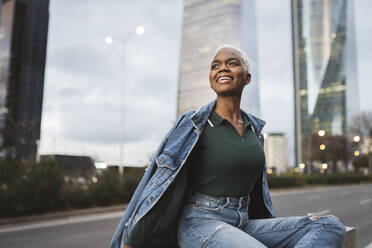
[214, 66]
[233, 63]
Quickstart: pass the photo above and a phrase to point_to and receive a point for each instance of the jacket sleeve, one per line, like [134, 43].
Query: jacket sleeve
[133, 204]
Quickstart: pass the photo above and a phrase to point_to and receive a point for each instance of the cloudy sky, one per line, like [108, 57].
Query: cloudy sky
[83, 74]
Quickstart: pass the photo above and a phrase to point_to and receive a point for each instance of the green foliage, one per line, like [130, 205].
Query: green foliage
[41, 187]
[132, 177]
[361, 162]
[11, 187]
[43, 184]
[107, 189]
[29, 188]
[76, 195]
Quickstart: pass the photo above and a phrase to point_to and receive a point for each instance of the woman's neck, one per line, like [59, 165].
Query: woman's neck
[228, 107]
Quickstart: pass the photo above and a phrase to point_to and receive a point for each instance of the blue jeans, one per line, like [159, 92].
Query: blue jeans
[224, 222]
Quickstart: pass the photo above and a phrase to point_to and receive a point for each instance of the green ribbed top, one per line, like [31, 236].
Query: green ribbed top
[223, 163]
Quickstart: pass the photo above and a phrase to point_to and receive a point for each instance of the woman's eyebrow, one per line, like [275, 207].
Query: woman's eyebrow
[233, 58]
[219, 61]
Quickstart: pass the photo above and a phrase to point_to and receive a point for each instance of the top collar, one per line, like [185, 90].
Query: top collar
[200, 117]
[216, 119]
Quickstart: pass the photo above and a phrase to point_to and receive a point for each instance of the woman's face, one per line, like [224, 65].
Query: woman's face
[227, 75]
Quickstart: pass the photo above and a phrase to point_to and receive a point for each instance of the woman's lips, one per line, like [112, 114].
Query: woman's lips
[224, 79]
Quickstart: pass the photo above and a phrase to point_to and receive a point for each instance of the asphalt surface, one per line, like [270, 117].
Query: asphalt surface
[352, 204]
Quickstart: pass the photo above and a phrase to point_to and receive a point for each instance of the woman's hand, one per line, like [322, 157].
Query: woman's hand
[127, 246]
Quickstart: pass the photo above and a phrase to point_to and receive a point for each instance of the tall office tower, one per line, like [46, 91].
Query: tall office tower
[23, 40]
[206, 25]
[325, 79]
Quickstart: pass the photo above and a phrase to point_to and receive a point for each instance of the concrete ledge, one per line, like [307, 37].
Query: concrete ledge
[350, 241]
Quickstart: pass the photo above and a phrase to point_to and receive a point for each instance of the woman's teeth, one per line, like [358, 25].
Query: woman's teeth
[224, 79]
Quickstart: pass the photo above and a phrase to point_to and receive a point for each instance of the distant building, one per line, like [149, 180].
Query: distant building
[23, 41]
[276, 152]
[206, 25]
[366, 145]
[76, 166]
[325, 72]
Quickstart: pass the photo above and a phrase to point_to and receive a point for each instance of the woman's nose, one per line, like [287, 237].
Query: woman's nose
[223, 68]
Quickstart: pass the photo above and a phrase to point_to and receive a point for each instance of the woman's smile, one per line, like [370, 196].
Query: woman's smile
[225, 79]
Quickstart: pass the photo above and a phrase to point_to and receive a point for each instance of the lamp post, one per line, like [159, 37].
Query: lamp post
[123, 42]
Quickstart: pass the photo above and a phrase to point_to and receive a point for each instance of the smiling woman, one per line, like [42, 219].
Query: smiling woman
[229, 72]
[207, 184]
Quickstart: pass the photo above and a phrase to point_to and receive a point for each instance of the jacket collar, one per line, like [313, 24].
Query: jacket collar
[200, 117]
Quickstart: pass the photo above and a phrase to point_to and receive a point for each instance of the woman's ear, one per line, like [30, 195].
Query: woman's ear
[248, 78]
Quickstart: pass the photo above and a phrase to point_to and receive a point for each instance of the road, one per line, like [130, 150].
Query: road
[352, 204]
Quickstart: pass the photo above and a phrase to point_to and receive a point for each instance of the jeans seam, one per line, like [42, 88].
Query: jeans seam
[208, 237]
[281, 229]
[315, 234]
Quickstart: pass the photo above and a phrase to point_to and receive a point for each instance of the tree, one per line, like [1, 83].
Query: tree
[360, 162]
[361, 126]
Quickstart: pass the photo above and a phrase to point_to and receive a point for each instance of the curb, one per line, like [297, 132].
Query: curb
[61, 214]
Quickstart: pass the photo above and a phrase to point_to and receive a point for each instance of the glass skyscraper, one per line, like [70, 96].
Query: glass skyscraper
[325, 80]
[23, 41]
[208, 24]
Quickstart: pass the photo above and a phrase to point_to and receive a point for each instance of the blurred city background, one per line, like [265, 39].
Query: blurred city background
[88, 89]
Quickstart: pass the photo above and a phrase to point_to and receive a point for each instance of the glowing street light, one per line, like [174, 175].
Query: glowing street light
[356, 153]
[140, 30]
[356, 138]
[324, 165]
[321, 133]
[94, 179]
[301, 165]
[109, 40]
[322, 147]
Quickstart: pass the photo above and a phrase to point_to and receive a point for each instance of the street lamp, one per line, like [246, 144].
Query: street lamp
[140, 30]
[321, 133]
[322, 147]
[356, 140]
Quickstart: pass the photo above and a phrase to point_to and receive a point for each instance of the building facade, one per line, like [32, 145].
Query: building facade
[276, 152]
[23, 41]
[208, 24]
[325, 79]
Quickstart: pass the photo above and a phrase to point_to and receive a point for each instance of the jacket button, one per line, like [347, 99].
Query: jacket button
[152, 198]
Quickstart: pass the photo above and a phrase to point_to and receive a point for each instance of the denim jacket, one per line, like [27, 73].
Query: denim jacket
[166, 165]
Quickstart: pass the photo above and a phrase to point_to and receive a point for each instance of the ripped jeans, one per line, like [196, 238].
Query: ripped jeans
[223, 222]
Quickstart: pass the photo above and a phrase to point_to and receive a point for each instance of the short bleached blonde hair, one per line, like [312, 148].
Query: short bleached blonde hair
[242, 54]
